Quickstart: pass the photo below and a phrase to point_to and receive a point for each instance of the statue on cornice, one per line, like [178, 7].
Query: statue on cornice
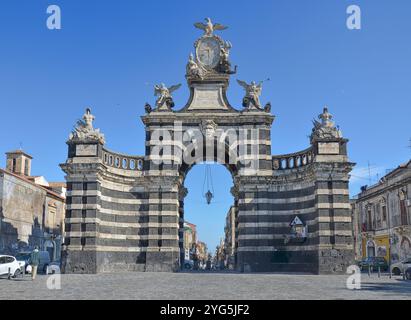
[148, 108]
[209, 27]
[225, 64]
[164, 95]
[193, 69]
[84, 130]
[252, 94]
[326, 128]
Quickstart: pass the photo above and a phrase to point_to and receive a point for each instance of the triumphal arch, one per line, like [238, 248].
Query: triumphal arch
[126, 212]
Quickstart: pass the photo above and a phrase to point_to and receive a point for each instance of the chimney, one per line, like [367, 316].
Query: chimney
[19, 162]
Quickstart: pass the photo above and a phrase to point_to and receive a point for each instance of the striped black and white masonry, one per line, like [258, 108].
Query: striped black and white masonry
[126, 213]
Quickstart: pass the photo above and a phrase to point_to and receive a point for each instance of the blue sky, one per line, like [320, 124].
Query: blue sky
[109, 54]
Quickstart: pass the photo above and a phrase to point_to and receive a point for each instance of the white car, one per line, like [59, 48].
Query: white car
[400, 267]
[9, 265]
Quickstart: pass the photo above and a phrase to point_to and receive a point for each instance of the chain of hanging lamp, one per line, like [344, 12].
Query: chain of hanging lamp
[208, 180]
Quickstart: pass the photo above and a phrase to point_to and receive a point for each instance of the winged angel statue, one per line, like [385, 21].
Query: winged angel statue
[252, 93]
[209, 27]
[164, 94]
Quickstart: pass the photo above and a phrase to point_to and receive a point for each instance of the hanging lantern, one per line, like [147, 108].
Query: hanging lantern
[208, 180]
[209, 196]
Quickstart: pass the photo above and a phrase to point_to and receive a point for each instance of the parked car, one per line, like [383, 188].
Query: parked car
[23, 257]
[10, 263]
[44, 260]
[400, 267]
[374, 263]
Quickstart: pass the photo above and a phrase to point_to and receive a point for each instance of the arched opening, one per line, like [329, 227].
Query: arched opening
[210, 216]
[207, 231]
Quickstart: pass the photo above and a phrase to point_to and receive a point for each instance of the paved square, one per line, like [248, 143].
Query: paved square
[207, 286]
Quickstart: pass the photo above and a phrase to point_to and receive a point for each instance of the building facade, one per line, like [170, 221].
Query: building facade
[126, 212]
[220, 257]
[190, 239]
[230, 238]
[31, 212]
[382, 217]
[202, 252]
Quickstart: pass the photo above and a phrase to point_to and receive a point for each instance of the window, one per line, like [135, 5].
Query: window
[384, 212]
[378, 215]
[371, 250]
[2, 260]
[14, 165]
[369, 218]
[26, 167]
[403, 210]
[9, 259]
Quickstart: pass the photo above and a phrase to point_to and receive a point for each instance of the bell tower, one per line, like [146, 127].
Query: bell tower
[19, 162]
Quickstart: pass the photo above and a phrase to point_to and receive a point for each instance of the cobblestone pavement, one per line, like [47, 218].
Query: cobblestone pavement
[207, 286]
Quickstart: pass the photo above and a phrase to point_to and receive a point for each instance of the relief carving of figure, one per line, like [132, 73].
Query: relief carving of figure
[252, 94]
[225, 65]
[208, 128]
[193, 69]
[164, 95]
[84, 130]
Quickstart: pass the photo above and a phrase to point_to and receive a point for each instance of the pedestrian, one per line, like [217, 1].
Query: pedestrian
[34, 262]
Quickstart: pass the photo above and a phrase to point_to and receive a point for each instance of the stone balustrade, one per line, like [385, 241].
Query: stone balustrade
[293, 160]
[122, 161]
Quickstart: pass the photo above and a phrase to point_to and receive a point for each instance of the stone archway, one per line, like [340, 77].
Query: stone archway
[123, 211]
[207, 157]
[184, 191]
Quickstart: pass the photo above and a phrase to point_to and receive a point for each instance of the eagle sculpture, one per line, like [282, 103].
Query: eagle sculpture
[209, 27]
